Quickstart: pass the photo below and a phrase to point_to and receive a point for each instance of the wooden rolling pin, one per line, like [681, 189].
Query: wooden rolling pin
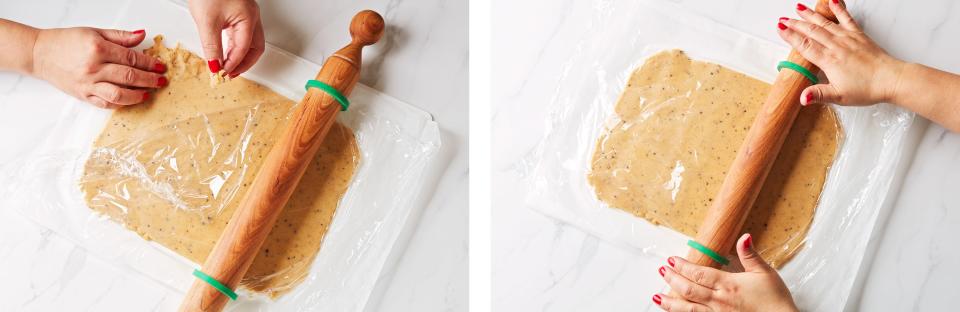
[282, 169]
[724, 221]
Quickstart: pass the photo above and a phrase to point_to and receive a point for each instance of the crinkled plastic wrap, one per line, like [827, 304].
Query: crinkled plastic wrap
[623, 35]
[192, 170]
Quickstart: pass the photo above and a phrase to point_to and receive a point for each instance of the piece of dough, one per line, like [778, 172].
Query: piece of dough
[175, 168]
[680, 124]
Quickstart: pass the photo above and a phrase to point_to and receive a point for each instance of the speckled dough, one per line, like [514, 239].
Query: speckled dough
[679, 126]
[175, 168]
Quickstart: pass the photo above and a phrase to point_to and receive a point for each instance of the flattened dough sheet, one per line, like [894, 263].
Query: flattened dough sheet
[175, 168]
[678, 126]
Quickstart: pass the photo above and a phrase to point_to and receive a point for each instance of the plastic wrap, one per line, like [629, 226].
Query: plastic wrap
[623, 35]
[391, 146]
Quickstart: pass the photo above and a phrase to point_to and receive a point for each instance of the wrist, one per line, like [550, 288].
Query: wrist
[30, 44]
[894, 76]
[16, 45]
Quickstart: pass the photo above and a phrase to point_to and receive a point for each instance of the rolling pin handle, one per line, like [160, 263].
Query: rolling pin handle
[366, 28]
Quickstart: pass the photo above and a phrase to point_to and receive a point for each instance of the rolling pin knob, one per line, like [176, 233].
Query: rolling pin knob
[366, 28]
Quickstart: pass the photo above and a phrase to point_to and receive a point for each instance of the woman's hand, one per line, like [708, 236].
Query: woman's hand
[859, 71]
[241, 20]
[700, 288]
[97, 65]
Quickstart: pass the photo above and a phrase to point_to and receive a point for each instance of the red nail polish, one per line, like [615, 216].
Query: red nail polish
[146, 96]
[748, 242]
[657, 299]
[214, 66]
[836, 1]
[671, 262]
[159, 68]
[663, 271]
[162, 81]
[809, 98]
[801, 7]
[784, 19]
[781, 26]
[139, 31]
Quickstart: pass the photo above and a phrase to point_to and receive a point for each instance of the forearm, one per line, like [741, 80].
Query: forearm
[16, 46]
[932, 93]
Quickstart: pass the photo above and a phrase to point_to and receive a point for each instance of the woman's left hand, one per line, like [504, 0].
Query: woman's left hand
[700, 288]
[241, 21]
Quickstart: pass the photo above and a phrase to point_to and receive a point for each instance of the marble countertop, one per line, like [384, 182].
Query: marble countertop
[422, 61]
[540, 264]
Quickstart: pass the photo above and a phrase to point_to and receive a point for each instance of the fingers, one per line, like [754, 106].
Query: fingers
[241, 39]
[127, 39]
[701, 275]
[129, 76]
[668, 303]
[809, 48]
[686, 288]
[101, 103]
[820, 93]
[749, 258]
[210, 30]
[256, 50]
[843, 17]
[117, 54]
[815, 18]
[114, 94]
[811, 30]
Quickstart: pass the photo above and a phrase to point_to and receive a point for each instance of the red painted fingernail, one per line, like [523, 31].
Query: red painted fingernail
[656, 299]
[662, 270]
[214, 66]
[781, 26]
[146, 96]
[159, 68]
[801, 7]
[784, 19]
[809, 98]
[671, 262]
[139, 31]
[836, 1]
[748, 242]
[162, 81]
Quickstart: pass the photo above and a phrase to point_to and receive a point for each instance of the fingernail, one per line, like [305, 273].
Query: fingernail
[159, 68]
[662, 270]
[801, 7]
[781, 26]
[162, 81]
[214, 66]
[748, 242]
[783, 19]
[139, 31]
[836, 1]
[809, 99]
[146, 96]
[657, 299]
[671, 262]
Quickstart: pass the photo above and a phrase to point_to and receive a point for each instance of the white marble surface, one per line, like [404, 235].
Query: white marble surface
[541, 265]
[422, 60]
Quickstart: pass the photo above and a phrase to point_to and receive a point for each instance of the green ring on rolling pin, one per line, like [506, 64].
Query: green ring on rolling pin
[803, 71]
[215, 284]
[344, 103]
[710, 253]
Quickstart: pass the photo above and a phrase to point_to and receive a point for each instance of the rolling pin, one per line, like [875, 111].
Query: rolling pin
[282, 169]
[724, 221]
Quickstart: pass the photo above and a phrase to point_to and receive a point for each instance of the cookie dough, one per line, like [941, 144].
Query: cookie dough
[679, 126]
[174, 169]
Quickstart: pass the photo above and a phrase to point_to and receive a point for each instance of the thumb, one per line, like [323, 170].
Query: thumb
[127, 39]
[819, 93]
[749, 258]
[211, 41]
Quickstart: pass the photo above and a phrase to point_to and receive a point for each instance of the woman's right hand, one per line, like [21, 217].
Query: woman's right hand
[97, 65]
[858, 70]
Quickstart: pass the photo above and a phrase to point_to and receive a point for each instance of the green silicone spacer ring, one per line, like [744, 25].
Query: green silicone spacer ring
[797, 68]
[344, 103]
[710, 253]
[216, 284]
